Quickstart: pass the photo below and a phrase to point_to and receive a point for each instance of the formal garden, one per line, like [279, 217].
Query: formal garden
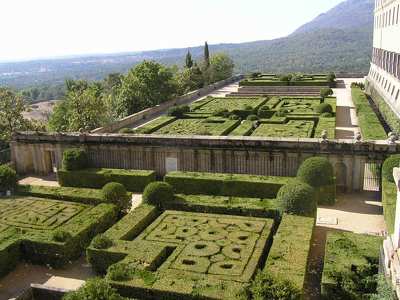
[195, 236]
[258, 79]
[297, 117]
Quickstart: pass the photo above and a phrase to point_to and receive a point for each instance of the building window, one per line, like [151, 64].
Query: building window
[397, 96]
[397, 19]
[393, 90]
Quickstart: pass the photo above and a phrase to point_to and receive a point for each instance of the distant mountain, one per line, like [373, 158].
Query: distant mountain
[351, 14]
[338, 40]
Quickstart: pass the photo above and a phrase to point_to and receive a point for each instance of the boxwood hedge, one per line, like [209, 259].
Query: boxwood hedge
[225, 184]
[133, 180]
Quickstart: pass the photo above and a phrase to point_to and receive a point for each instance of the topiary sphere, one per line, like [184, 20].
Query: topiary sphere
[387, 169]
[316, 171]
[157, 193]
[115, 193]
[324, 108]
[297, 198]
[8, 178]
[74, 159]
[101, 241]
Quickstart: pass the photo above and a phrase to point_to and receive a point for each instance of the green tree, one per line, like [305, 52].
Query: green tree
[206, 56]
[148, 84]
[222, 67]
[189, 79]
[189, 60]
[83, 109]
[94, 289]
[12, 106]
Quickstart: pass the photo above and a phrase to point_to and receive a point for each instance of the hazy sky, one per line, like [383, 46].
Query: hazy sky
[47, 28]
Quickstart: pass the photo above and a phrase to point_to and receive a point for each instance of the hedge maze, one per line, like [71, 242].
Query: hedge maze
[258, 79]
[48, 231]
[298, 117]
[187, 253]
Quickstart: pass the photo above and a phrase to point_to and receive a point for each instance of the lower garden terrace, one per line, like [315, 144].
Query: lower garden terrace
[297, 117]
[195, 236]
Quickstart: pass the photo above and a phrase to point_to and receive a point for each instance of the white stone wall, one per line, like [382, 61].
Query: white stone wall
[385, 66]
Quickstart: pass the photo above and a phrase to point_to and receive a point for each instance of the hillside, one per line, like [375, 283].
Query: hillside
[338, 40]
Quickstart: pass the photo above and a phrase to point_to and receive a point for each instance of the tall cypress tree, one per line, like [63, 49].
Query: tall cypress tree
[206, 56]
[189, 60]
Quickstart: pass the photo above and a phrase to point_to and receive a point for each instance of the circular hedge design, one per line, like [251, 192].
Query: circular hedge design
[316, 171]
[387, 168]
[203, 248]
[297, 198]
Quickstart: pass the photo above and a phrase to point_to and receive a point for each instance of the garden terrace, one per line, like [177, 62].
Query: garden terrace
[184, 254]
[289, 80]
[263, 91]
[48, 231]
[296, 117]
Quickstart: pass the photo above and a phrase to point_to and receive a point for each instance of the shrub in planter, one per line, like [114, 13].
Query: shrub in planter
[156, 193]
[326, 115]
[265, 286]
[178, 111]
[324, 108]
[252, 118]
[115, 193]
[74, 159]
[8, 178]
[387, 169]
[94, 288]
[101, 241]
[325, 92]
[297, 198]
[316, 171]
[126, 130]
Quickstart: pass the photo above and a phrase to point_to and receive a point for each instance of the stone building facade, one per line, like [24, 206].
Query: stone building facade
[384, 75]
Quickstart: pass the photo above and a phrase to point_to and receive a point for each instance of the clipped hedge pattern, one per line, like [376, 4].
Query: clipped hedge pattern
[225, 184]
[133, 180]
[25, 234]
[288, 257]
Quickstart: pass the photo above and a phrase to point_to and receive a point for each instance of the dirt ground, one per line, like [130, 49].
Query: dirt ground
[40, 111]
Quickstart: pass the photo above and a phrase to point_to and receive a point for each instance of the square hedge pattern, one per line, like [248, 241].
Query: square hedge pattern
[187, 254]
[280, 117]
[30, 223]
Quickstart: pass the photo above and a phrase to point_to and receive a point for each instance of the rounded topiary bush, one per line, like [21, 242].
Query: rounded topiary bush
[316, 171]
[387, 169]
[297, 198]
[101, 242]
[324, 108]
[74, 159]
[178, 111]
[325, 92]
[157, 193]
[8, 178]
[115, 193]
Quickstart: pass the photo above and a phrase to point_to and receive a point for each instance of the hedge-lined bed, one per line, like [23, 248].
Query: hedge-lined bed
[389, 198]
[241, 206]
[236, 185]
[351, 265]
[390, 117]
[133, 180]
[182, 255]
[298, 117]
[288, 257]
[290, 80]
[371, 127]
[47, 231]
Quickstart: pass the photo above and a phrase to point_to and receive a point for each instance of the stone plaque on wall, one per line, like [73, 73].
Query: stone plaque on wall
[171, 164]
